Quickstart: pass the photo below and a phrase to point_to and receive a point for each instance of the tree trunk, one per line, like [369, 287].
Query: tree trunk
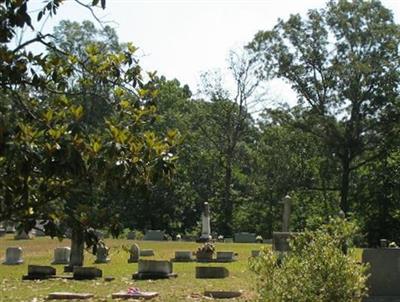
[344, 188]
[77, 247]
[228, 205]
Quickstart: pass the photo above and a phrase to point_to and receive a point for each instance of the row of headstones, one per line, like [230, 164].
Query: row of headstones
[147, 269]
[241, 237]
[151, 235]
[62, 255]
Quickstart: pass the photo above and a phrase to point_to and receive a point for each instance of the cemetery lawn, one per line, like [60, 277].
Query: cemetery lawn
[185, 287]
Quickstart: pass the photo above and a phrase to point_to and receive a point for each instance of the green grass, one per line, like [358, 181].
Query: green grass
[183, 288]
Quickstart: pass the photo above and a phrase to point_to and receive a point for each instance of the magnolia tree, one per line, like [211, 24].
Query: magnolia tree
[57, 167]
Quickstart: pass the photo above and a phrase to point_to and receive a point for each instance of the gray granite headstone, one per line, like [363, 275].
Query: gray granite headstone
[225, 256]
[61, 255]
[154, 235]
[134, 253]
[102, 254]
[245, 237]
[13, 256]
[384, 271]
[183, 256]
[154, 269]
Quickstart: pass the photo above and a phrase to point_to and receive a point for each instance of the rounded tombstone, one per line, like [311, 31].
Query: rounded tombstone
[102, 254]
[13, 256]
[134, 253]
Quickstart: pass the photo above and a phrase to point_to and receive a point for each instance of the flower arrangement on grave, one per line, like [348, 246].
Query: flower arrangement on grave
[206, 251]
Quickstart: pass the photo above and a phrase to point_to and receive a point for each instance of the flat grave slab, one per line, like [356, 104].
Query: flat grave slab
[222, 294]
[69, 296]
[140, 295]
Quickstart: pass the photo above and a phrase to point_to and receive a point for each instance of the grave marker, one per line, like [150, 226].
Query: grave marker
[13, 256]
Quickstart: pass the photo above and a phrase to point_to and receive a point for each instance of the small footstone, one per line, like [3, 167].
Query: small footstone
[222, 294]
[69, 296]
[109, 278]
[211, 272]
[141, 295]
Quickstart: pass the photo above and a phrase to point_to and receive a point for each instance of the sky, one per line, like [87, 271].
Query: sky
[183, 38]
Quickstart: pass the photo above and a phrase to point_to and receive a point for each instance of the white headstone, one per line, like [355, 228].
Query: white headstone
[287, 204]
[13, 256]
[61, 255]
[205, 223]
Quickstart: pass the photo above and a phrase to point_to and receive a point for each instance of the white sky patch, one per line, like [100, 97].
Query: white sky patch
[182, 38]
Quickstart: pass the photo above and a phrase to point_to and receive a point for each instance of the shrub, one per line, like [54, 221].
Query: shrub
[316, 269]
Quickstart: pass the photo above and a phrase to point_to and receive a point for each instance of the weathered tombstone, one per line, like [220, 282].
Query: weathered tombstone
[131, 235]
[61, 255]
[244, 237]
[39, 272]
[86, 273]
[13, 256]
[10, 227]
[22, 235]
[205, 224]
[280, 240]
[211, 272]
[154, 269]
[146, 253]
[134, 253]
[183, 256]
[384, 272]
[102, 254]
[154, 235]
[225, 256]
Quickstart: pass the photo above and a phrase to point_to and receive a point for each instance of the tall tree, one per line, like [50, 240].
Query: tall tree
[227, 121]
[343, 62]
